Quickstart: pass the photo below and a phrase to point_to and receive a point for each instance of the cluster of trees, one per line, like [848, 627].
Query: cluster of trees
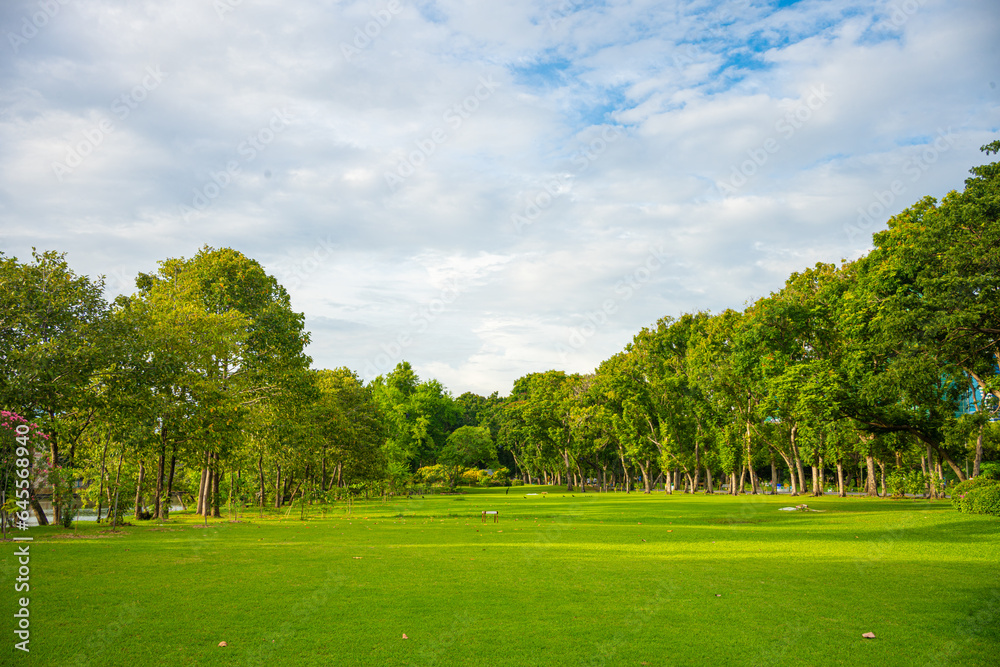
[883, 369]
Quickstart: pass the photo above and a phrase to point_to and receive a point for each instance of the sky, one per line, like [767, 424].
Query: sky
[485, 189]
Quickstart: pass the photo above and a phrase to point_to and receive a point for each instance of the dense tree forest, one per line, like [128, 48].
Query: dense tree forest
[879, 374]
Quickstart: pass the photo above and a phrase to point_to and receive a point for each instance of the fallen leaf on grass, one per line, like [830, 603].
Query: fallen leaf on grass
[223, 644]
[356, 557]
[869, 635]
[404, 636]
[718, 595]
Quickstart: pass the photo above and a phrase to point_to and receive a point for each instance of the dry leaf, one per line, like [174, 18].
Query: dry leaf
[223, 644]
[404, 636]
[869, 635]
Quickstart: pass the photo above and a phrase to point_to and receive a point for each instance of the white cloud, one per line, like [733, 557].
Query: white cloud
[692, 91]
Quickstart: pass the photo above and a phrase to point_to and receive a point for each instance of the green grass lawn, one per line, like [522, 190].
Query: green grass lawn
[595, 579]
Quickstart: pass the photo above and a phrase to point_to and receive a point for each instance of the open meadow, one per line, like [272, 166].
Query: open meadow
[561, 579]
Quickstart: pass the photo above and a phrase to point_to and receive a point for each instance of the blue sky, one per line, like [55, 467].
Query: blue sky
[485, 189]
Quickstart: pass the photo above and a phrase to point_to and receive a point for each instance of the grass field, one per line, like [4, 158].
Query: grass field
[562, 579]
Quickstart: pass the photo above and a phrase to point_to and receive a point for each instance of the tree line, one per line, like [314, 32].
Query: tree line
[879, 372]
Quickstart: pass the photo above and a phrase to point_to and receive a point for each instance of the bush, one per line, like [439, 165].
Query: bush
[964, 494]
[990, 470]
[500, 477]
[517, 482]
[472, 477]
[430, 474]
[984, 499]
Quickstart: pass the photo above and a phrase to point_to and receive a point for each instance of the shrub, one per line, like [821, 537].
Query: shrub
[990, 469]
[984, 499]
[962, 495]
[430, 474]
[517, 482]
[913, 482]
[473, 477]
[500, 477]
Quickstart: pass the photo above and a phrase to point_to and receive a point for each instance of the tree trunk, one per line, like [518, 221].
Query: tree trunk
[979, 453]
[100, 490]
[628, 482]
[815, 481]
[881, 465]
[260, 478]
[202, 486]
[569, 480]
[743, 475]
[774, 476]
[871, 487]
[753, 473]
[160, 463]
[278, 491]
[646, 481]
[708, 481]
[923, 468]
[697, 469]
[217, 473]
[138, 490]
[791, 473]
[37, 507]
[165, 508]
[798, 461]
[118, 477]
[841, 491]
[940, 472]
[54, 456]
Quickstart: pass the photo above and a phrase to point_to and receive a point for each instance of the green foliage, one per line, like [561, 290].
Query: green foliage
[990, 469]
[981, 499]
[500, 477]
[434, 474]
[61, 481]
[466, 447]
[962, 494]
[901, 482]
[418, 416]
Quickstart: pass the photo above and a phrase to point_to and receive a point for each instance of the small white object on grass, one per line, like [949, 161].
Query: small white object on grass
[869, 635]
